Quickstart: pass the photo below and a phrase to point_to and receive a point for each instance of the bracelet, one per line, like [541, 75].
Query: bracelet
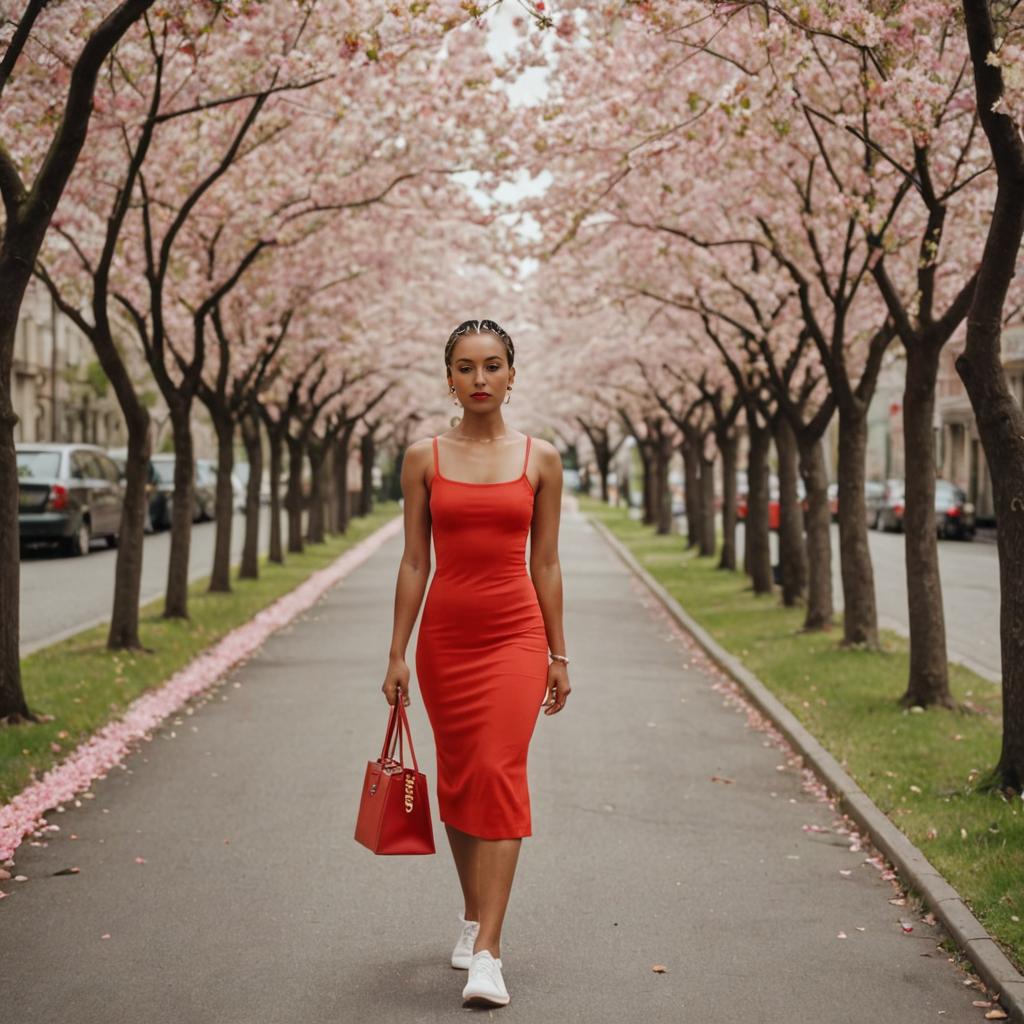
[559, 657]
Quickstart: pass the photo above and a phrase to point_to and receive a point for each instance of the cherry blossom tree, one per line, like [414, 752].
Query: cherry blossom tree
[997, 58]
[37, 34]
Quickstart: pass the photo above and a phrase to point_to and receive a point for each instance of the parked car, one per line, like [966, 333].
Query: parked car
[202, 495]
[954, 514]
[874, 495]
[774, 506]
[890, 511]
[68, 494]
[206, 488]
[155, 498]
[240, 485]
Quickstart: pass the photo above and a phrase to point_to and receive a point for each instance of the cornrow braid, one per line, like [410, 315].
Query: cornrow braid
[477, 327]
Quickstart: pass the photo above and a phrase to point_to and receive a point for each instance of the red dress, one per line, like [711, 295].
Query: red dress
[481, 653]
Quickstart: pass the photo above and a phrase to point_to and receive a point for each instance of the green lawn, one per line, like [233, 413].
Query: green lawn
[922, 769]
[84, 686]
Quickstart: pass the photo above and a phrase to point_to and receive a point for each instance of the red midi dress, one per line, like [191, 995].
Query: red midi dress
[481, 653]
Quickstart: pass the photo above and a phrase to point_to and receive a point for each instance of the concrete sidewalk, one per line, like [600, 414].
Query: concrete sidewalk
[255, 905]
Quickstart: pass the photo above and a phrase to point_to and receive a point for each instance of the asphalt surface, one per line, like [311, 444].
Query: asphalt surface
[969, 571]
[61, 595]
[256, 905]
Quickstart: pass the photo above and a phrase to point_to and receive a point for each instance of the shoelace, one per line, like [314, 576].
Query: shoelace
[469, 930]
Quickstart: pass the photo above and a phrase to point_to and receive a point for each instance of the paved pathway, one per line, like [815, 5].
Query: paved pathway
[255, 906]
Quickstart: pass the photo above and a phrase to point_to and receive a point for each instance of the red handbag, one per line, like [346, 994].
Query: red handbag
[394, 809]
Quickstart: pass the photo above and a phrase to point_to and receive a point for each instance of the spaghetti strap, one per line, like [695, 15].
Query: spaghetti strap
[526, 460]
[437, 472]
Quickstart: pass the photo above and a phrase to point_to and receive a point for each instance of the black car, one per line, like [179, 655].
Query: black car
[954, 514]
[202, 493]
[68, 494]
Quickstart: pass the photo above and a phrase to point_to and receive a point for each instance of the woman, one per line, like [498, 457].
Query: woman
[487, 628]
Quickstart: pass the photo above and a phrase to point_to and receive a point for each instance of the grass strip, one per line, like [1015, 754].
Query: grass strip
[83, 685]
[922, 769]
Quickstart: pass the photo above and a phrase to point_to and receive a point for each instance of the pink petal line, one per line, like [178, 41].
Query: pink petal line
[107, 747]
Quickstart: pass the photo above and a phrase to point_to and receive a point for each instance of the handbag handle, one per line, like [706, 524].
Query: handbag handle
[398, 717]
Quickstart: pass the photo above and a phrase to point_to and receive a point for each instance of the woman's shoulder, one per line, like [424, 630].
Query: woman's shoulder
[545, 450]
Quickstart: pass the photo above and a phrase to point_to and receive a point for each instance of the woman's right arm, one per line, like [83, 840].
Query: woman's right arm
[413, 569]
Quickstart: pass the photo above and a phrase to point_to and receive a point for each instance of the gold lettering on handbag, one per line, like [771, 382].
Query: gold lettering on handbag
[410, 782]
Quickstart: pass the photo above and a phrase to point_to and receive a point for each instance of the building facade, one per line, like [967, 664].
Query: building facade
[59, 390]
[61, 393]
[961, 457]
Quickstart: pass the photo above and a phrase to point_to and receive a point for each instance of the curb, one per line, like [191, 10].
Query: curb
[992, 965]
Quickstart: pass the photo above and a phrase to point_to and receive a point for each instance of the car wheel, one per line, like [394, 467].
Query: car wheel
[78, 544]
[112, 540]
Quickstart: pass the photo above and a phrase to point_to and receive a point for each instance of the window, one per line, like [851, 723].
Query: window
[164, 470]
[108, 468]
[80, 468]
[38, 465]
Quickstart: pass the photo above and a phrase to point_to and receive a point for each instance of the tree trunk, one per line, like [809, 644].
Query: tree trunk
[758, 562]
[707, 507]
[860, 618]
[124, 618]
[250, 567]
[647, 505]
[818, 523]
[327, 489]
[792, 550]
[275, 551]
[331, 490]
[662, 490]
[176, 598]
[13, 707]
[224, 511]
[603, 457]
[929, 670]
[1000, 419]
[315, 523]
[341, 448]
[728, 446]
[691, 495]
[27, 221]
[293, 497]
[367, 454]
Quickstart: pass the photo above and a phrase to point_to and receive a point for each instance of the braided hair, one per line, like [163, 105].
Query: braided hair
[477, 327]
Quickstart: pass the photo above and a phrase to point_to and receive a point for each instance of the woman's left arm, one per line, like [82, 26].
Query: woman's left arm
[545, 569]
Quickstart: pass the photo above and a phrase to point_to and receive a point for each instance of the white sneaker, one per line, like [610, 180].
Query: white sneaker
[463, 951]
[485, 987]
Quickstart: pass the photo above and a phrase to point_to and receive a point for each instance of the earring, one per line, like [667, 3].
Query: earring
[508, 397]
[451, 390]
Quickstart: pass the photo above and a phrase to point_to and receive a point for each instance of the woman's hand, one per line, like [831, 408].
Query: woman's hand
[397, 680]
[558, 688]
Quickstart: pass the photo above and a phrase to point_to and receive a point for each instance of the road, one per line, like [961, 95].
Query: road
[970, 588]
[970, 595]
[62, 595]
[666, 831]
